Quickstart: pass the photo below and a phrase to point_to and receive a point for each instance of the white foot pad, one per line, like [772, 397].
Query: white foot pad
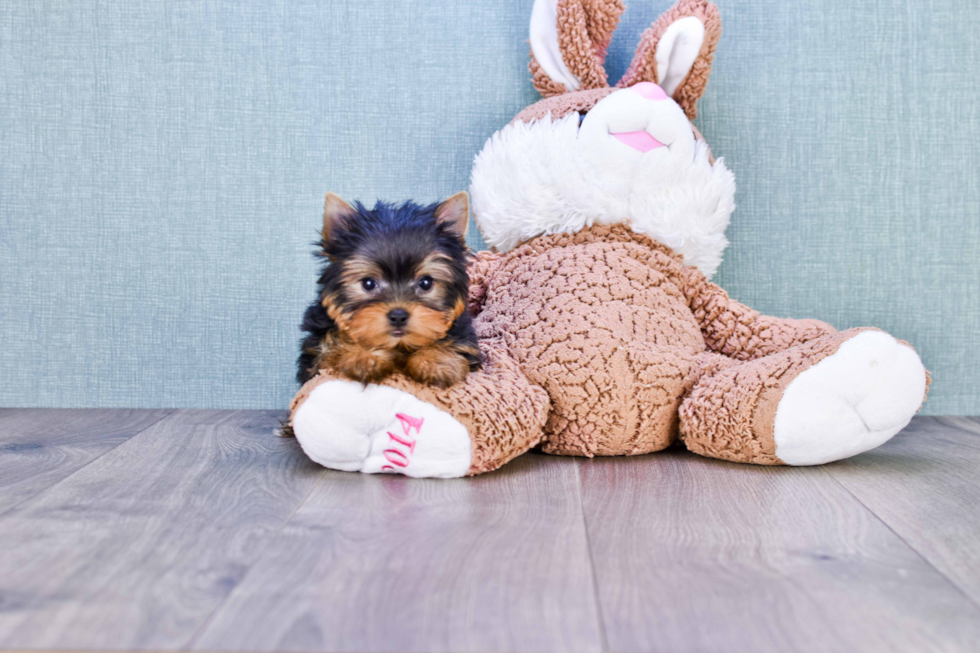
[852, 401]
[376, 429]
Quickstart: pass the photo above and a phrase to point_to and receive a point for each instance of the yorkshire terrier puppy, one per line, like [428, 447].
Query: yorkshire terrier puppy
[392, 296]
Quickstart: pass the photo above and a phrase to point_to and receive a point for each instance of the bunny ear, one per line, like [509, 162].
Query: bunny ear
[676, 52]
[569, 39]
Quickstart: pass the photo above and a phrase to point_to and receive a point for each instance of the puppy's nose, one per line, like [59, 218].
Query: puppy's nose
[397, 317]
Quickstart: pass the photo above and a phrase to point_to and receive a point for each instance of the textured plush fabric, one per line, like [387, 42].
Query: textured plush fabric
[596, 320]
[619, 332]
[162, 170]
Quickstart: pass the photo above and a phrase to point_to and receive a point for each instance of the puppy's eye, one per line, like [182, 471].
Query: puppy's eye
[425, 283]
[369, 284]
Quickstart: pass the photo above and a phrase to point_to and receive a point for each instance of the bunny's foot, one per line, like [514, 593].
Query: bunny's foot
[353, 427]
[401, 426]
[850, 402]
[828, 399]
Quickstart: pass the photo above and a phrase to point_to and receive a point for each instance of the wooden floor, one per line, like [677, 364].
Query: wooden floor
[164, 530]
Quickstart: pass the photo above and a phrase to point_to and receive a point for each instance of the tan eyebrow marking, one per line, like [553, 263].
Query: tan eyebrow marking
[356, 269]
[438, 266]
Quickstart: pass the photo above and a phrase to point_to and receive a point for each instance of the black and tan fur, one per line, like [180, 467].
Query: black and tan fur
[392, 296]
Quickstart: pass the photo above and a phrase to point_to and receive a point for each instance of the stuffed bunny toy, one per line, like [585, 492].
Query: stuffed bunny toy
[602, 333]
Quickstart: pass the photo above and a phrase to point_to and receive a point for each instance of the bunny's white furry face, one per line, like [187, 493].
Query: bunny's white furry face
[633, 159]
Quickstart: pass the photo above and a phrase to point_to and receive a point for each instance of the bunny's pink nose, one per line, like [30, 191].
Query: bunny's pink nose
[649, 90]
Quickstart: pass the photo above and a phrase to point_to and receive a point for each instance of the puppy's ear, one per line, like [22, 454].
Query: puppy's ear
[455, 213]
[334, 208]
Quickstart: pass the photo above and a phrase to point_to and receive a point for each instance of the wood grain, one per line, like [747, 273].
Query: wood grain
[136, 549]
[203, 531]
[492, 563]
[39, 447]
[926, 486]
[693, 554]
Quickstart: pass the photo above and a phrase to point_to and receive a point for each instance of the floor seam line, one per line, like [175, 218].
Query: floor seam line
[214, 613]
[911, 547]
[603, 638]
[8, 509]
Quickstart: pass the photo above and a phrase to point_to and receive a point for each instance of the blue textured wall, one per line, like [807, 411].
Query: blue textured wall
[162, 167]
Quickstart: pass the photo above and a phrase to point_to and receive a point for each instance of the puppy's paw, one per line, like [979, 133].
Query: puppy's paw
[377, 429]
[360, 364]
[439, 365]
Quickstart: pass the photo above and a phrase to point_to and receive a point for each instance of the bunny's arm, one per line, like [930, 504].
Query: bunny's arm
[481, 269]
[739, 332]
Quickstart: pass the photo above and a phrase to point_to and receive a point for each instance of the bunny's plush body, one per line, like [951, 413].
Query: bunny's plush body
[601, 330]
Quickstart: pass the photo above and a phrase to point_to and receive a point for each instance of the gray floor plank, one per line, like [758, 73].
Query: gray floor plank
[926, 486]
[185, 535]
[493, 563]
[693, 554]
[39, 447]
[137, 549]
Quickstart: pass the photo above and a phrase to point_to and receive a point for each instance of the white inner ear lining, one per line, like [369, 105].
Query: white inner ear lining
[677, 50]
[544, 43]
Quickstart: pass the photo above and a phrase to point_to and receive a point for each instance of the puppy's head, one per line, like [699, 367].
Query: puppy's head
[397, 274]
